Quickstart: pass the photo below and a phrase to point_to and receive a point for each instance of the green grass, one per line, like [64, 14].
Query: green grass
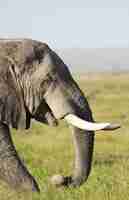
[47, 151]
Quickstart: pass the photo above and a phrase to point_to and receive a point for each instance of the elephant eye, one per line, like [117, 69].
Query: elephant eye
[39, 53]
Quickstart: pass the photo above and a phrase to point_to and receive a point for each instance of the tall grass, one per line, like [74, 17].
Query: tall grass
[47, 151]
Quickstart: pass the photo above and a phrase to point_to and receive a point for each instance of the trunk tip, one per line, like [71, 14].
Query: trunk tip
[57, 180]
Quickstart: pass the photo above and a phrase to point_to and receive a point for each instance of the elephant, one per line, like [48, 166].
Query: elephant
[36, 84]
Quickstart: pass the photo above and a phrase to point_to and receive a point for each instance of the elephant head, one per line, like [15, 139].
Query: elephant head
[41, 87]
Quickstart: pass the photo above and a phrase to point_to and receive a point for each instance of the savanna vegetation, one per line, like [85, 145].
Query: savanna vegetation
[48, 151]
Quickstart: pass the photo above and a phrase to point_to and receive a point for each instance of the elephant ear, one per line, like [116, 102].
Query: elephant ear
[12, 109]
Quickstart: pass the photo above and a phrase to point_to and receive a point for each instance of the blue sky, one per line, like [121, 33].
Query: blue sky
[67, 23]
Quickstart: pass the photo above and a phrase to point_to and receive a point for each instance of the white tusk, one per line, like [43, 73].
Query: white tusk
[89, 126]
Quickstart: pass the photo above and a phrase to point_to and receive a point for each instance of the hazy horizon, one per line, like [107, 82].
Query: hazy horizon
[95, 59]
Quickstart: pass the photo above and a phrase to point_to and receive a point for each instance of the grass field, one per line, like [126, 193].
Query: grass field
[48, 151]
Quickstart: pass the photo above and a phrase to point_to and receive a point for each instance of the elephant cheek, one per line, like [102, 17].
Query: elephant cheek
[58, 102]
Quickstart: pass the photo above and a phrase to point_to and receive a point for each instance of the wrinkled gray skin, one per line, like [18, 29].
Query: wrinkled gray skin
[35, 83]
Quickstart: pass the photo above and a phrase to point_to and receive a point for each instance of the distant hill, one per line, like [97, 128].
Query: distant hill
[96, 60]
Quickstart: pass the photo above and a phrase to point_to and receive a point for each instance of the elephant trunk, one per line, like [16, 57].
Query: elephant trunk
[83, 143]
